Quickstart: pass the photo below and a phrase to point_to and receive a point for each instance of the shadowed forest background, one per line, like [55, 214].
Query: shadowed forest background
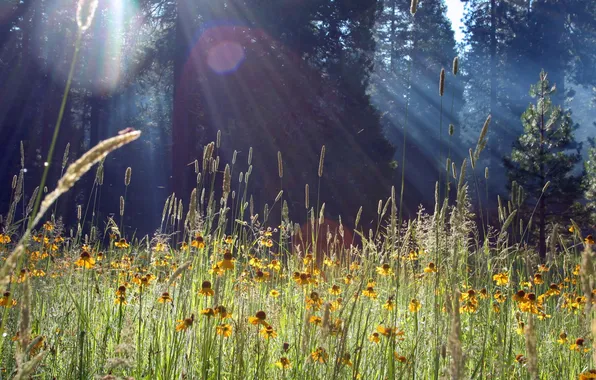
[289, 76]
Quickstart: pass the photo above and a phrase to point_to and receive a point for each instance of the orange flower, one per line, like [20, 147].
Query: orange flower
[206, 289]
[184, 324]
[85, 260]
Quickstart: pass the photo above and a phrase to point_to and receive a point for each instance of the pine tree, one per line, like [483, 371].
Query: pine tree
[542, 162]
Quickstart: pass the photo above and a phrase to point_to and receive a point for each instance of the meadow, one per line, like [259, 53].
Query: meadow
[222, 290]
[218, 292]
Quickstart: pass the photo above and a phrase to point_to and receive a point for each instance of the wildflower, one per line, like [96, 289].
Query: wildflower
[483, 293]
[412, 256]
[591, 374]
[348, 279]
[542, 268]
[221, 312]
[227, 263]
[262, 276]
[336, 305]
[519, 296]
[85, 260]
[185, 323]
[314, 301]
[198, 242]
[414, 305]
[229, 239]
[48, 226]
[315, 320]
[589, 239]
[4, 300]
[335, 290]
[374, 337]
[274, 293]
[283, 363]
[389, 305]
[165, 298]
[430, 268]
[159, 247]
[385, 270]
[319, 355]
[301, 278]
[354, 266]
[345, 360]
[538, 279]
[330, 263]
[258, 318]
[209, 312]
[268, 332]
[120, 295]
[4, 239]
[275, 265]
[206, 289]
[39, 238]
[571, 229]
[399, 358]
[370, 292]
[579, 346]
[496, 307]
[122, 244]
[225, 330]
[521, 359]
[562, 338]
[502, 279]
[184, 246]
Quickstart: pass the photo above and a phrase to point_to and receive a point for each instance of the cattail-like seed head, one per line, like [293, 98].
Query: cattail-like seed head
[451, 129]
[180, 208]
[306, 196]
[240, 177]
[280, 165]
[196, 166]
[14, 181]
[65, 156]
[321, 161]
[218, 140]
[546, 185]
[79, 212]
[455, 65]
[234, 157]
[454, 170]
[486, 172]
[85, 13]
[279, 195]
[442, 82]
[413, 7]
[472, 161]
[227, 182]
[358, 215]
[250, 155]
[22, 155]
[127, 176]
[121, 205]
[322, 214]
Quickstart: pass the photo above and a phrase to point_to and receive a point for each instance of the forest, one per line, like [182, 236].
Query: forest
[372, 188]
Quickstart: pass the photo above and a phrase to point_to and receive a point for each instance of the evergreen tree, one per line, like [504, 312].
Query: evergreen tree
[411, 51]
[546, 153]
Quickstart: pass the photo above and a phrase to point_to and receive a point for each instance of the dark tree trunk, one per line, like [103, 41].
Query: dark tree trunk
[182, 135]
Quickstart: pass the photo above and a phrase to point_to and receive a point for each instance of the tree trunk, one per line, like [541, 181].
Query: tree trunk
[182, 136]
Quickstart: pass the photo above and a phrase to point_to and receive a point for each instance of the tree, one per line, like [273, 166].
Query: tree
[543, 159]
[411, 51]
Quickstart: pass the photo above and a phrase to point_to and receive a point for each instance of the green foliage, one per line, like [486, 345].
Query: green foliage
[590, 180]
[546, 153]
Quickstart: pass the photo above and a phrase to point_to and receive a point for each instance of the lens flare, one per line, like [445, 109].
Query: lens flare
[225, 57]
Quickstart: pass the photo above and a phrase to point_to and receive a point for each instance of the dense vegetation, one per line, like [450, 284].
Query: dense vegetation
[292, 244]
